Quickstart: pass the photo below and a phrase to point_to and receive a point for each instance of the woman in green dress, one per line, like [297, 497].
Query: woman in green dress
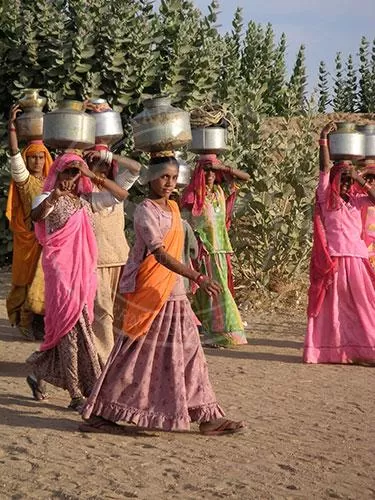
[209, 199]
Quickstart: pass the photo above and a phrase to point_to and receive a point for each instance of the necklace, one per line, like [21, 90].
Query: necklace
[212, 198]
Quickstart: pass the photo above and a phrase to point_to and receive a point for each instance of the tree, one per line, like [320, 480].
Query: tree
[365, 98]
[323, 87]
[350, 87]
[339, 89]
[297, 83]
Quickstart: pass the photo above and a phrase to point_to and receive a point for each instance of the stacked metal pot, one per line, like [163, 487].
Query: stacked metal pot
[352, 142]
[162, 127]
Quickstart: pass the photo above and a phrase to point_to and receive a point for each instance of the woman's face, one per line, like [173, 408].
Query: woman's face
[70, 173]
[370, 179]
[210, 177]
[346, 182]
[35, 163]
[164, 185]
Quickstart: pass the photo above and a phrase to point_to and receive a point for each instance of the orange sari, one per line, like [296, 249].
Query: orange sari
[154, 283]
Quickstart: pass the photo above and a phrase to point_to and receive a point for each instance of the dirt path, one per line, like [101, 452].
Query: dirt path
[310, 436]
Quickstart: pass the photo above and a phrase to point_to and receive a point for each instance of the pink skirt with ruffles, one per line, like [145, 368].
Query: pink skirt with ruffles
[344, 330]
[159, 380]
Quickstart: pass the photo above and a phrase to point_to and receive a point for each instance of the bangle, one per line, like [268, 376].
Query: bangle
[199, 279]
[12, 129]
[323, 142]
[367, 186]
[98, 181]
[12, 153]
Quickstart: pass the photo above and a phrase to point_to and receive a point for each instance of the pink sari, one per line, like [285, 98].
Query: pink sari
[69, 262]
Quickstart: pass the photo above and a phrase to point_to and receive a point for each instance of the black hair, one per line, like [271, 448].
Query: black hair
[164, 159]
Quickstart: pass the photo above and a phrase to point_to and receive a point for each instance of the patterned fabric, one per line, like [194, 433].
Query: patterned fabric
[159, 380]
[73, 364]
[220, 318]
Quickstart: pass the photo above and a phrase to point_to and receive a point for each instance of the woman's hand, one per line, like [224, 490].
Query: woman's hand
[327, 129]
[15, 110]
[91, 156]
[209, 286]
[84, 170]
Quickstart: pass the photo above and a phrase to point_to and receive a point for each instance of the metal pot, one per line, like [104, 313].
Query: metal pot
[69, 127]
[369, 132]
[29, 125]
[184, 171]
[209, 140]
[108, 122]
[160, 126]
[346, 143]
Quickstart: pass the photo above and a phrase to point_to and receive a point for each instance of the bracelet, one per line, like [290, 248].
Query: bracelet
[199, 279]
[367, 186]
[12, 129]
[98, 181]
[323, 142]
[106, 156]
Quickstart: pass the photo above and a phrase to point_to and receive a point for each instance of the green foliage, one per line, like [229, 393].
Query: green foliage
[127, 50]
[323, 87]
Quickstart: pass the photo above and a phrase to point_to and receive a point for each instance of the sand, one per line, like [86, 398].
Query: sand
[310, 431]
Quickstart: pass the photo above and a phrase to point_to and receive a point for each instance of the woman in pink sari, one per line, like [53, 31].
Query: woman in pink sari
[67, 357]
[341, 310]
[368, 213]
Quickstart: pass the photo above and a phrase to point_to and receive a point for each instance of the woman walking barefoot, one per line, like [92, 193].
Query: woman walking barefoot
[156, 375]
[341, 309]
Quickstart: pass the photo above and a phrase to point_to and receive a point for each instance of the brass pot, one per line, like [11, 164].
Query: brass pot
[29, 124]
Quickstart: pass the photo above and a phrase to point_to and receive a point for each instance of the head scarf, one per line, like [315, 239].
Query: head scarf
[194, 194]
[61, 163]
[14, 202]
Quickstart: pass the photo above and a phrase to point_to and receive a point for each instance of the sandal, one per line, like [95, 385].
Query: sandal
[220, 427]
[77, 403]
[100, 425]
[38, 389]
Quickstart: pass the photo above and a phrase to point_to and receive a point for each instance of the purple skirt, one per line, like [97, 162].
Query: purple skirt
[159, 380]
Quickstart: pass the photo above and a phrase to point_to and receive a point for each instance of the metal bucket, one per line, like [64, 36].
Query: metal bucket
[208, 140]
[160, 126]
[346, 143]
[369, 132]
[108, 123]
[69, 127]
[29, 124]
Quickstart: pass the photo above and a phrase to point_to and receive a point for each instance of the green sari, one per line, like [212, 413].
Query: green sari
[220, 318]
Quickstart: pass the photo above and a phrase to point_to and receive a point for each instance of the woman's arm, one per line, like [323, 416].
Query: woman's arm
[117, 191]
[234, 172]
[106, 156]
[361, 181]
[324, 157]
[12, 134]
[209, 286]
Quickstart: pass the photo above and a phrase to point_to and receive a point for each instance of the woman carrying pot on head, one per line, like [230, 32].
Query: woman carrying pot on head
[29, 168]
[368, 213]
[67, 357]
[209, 199]
[341, 308]
[112, 245]
[156, 375]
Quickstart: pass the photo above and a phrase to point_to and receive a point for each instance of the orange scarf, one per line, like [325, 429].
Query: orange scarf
[26, 249]
[154, 283]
